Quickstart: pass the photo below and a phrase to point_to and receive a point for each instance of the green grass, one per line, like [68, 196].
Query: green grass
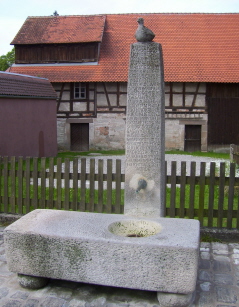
[73, 154]
[64, 194]
[209, 238]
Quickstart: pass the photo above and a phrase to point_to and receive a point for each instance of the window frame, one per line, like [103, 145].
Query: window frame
[81, 88]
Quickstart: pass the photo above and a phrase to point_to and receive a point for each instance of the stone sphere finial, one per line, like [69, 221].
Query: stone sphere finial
[143, 34]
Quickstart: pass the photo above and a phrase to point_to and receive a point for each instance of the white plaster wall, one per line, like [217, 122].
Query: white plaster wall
[174, 134]
[109, 132]
[61, 134]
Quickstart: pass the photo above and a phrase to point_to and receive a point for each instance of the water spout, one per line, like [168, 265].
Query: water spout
[142, 185]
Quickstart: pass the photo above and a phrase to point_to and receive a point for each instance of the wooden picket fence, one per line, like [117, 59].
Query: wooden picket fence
[210, 195]
[234, 153]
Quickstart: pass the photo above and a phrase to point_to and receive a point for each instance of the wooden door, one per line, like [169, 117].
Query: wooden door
[80, 137]
[192, 138]
[223, 123]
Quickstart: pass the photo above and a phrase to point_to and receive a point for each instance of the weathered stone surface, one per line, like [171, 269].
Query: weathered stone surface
[31, 303]
[204, 275]
[13, 303]
[53, 302]
[174, 300]
[32, 282]
[206, 299]
[221, 264]
[145, 132]
[225, 279]
[61, 245]
[225, 295]
[206, 286]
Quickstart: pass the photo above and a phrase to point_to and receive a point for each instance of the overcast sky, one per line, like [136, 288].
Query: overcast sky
[13, 13]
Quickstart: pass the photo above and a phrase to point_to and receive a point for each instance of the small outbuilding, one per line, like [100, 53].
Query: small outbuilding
[27, 116]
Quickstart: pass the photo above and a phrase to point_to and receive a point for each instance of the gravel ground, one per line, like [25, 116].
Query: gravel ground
[168, 157]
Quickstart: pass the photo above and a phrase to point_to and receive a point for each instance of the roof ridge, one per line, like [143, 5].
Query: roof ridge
[155, 13]
[59, 16]
[21, 75]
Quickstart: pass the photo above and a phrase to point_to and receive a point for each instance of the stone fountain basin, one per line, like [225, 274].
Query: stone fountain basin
[104, 249]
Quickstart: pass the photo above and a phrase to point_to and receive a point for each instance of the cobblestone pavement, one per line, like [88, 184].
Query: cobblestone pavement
[217, 285]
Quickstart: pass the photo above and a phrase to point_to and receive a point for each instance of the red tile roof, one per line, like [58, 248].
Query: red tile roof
[60, 29]
[196, 48]
[25, 86]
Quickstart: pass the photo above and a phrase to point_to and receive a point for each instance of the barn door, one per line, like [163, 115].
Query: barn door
[80, 137]
[192, 138]
[223, 123]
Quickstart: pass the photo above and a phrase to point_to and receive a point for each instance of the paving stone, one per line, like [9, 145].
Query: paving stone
[77, 303]
[206, 286]
[204, 275]
[61, 292]
[2, 249]
[205, 255]
[225, 279]
[3, 258]
[206, 299]
[236, 261]
[233, 245]
[101, 301]
[204, 264]
[53, 302]
[119, 305]
[20, 294]
[225, 295]
[221, 264]
[3, 292]
[31, 303]
[13, 303]
[220, 248]
[205, 245]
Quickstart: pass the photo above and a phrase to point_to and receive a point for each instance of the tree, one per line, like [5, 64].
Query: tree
[7, 60]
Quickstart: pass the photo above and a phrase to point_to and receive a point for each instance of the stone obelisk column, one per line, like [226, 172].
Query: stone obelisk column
[145, 130]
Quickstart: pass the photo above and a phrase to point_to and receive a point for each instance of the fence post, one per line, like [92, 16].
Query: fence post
[192, 190]
[201, 192]
[211, 193]
[82, 183]
[75, 183]
[13, 184]
[58, 177]
[230, 195]
[92, 185]
[109, 186]
[221, 194]
[173, 189]
[118, 186]
[43, 183]
[182, 189]
[5, 184]
[51, 183]
[100, 184]
[27, 184]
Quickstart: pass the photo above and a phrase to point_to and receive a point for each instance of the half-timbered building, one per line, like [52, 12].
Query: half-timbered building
[86, 60]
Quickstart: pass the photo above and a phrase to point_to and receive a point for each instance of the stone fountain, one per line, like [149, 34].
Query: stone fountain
[138, 250]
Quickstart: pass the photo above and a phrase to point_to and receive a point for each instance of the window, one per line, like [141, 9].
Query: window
[79, 90]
